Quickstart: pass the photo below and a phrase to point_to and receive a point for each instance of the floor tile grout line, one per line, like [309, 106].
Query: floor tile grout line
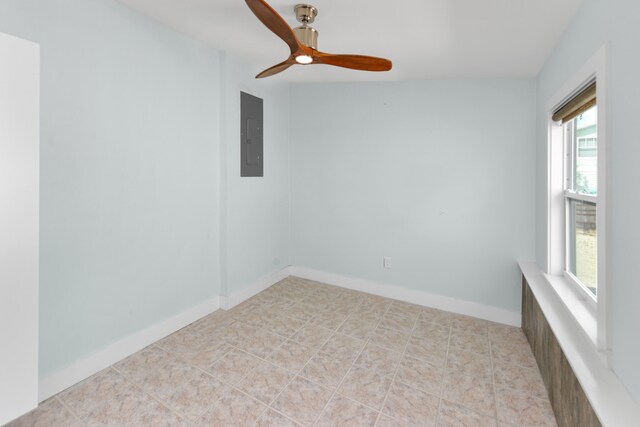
[182, 359]
[269, 408]
[295, 374]
[302, 369]
[226, 383]
[514, 391]
[234, 386]
[265, 409]
[68, 408]
[152, 395]
[367, 341]
[335, 333]
[494, 387]
[464, 405]
[444, 376]
[511, 389]
[377, 411]
[399, 360]
[395, 375]
[335, 391]
[493, 382]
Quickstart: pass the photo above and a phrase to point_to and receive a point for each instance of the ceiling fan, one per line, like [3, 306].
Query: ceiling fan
[303, 42]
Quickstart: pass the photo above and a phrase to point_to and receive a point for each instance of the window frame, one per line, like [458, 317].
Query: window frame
[573, 294]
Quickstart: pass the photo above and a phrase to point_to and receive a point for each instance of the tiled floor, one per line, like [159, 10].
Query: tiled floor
[304, 353]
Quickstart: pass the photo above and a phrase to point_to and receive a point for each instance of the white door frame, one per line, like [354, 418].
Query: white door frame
[19, 207]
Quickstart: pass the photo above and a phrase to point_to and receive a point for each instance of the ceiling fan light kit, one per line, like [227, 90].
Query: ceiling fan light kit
[304, 59]
[303, 42]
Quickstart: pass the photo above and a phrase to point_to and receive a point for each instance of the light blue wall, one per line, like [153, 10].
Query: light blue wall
[616, 22]
[129, 180]
[256, 216]
[438, 175]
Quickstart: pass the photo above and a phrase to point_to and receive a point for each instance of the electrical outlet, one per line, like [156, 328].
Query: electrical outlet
[386, 262]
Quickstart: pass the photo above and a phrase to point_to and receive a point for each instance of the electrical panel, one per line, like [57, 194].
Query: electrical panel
[251, 136]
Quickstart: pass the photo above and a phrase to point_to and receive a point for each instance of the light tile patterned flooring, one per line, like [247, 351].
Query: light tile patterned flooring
[305, 353]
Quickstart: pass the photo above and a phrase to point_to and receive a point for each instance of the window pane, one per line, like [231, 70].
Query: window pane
[587, 147]
[582, 243]
[584, 153]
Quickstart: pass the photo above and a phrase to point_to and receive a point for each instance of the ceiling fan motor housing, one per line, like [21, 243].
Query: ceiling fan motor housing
[307, 36]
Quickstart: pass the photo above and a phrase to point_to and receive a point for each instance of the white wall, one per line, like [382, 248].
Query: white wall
[129, 172]
[19, 172]
[615, 22]
[438, 175]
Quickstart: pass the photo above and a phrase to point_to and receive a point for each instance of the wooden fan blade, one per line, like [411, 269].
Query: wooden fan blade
[276, 69]
[273, 21]
[355, 62]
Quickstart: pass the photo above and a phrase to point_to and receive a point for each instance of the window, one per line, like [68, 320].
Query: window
[576, 222]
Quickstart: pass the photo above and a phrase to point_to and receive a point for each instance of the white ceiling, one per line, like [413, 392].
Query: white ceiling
[424, 38]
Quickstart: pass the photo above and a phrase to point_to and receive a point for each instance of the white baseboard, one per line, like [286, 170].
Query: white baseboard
[235, 298]
[84, 368]
[453, 305]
